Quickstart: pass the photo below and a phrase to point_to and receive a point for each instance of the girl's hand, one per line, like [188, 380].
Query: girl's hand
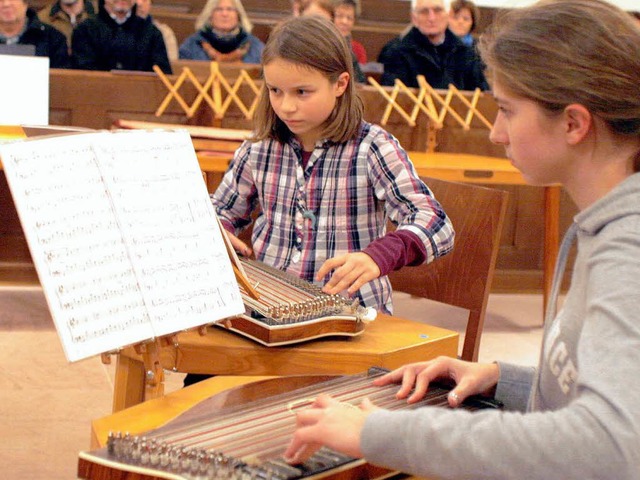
[328, 422]
[238, 245]
[350, 272]
[470, 379]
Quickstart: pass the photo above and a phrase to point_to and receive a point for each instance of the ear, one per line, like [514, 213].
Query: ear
[578, 122]
[341, 84]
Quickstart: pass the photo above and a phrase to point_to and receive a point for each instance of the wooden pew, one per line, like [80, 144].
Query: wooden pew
[97, 99]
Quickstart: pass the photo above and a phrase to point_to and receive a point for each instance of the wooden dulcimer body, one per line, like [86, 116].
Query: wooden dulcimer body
[289, 310]
[244, 436]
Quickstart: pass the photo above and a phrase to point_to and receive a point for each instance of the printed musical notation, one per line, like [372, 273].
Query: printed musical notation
[123, 236]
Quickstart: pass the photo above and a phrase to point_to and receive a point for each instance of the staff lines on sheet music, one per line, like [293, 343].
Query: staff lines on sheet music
[198, 305]
[175, 280]
[44, 219]
[48, 236]
[127, 321]
[174, 213]
[88, 264]
[81, 299]
[80, 283]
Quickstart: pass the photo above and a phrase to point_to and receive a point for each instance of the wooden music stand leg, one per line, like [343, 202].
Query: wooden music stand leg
[129, 383]
[154, 374]
[138, 380]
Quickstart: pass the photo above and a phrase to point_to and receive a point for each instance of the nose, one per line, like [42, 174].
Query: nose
[498, 134]
[288, 103]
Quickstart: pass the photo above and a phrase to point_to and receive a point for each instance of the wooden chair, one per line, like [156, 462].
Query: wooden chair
[463, 277]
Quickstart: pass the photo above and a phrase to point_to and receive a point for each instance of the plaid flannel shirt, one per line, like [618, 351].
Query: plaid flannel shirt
[339, 203]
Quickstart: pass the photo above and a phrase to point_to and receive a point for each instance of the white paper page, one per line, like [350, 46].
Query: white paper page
[76, 246]
[170, 227]
[24, 93]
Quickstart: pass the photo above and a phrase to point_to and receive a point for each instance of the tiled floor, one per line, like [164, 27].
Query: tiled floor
[47, 403]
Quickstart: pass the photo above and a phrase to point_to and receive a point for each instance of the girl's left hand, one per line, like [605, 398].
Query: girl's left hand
[331, 423]
[350, 272]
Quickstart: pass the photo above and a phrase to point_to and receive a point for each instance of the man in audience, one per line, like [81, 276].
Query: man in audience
[19, 24]
[429, 48]
[117, 39]
[66, 14]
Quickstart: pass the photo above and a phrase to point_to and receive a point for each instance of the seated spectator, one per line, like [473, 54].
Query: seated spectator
[66, 14]
[464, 15]
[429, 48]
[346, 12]
[143, 10]
[117, 39]
[20, 24]
[223, 35]
[326, 9]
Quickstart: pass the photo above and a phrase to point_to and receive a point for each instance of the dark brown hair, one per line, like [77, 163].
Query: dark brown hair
[315, 43]
[458, 5]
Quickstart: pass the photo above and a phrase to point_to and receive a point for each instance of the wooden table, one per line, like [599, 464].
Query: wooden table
[387, 342]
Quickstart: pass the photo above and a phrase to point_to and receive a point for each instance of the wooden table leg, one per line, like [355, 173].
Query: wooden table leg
[129, 385]
[551, 240]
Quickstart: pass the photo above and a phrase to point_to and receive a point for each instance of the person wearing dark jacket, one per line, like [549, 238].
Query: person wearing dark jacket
[19, 24]
[65, 15]
[117, 39]
[430, 49]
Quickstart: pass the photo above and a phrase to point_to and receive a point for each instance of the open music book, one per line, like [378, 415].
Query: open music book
[122, 234]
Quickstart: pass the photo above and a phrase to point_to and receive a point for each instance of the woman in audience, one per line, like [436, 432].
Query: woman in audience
[346, 12]
[565, 77]
[223, 35]
[326, 9]
[463, 19]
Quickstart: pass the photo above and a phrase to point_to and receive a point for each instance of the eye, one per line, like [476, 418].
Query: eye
[274, 90]
[503, 110]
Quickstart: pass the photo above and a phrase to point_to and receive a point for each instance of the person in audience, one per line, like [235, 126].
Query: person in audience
[117, 39]
[66, 14]
[223, 35]
[143, 10]
[326, 9]
[346, 12]
[464, 16]
[430, 49]
[19, 24]
[569, 116]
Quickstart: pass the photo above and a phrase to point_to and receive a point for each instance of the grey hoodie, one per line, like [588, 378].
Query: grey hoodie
[582, 403]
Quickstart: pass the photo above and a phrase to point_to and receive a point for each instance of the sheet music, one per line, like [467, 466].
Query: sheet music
[123, 236]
